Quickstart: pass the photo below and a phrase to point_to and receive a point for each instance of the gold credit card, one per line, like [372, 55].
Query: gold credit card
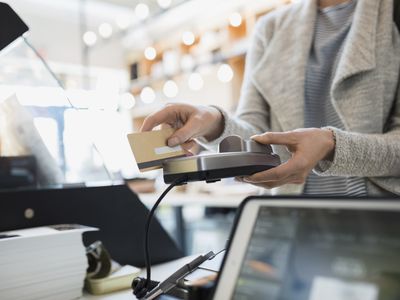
[150, 148]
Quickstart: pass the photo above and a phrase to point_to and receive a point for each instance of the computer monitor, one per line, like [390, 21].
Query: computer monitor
[313, 249]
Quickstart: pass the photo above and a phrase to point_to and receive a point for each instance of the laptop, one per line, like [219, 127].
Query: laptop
[313, 249]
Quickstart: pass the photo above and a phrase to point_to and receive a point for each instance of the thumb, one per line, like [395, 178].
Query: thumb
[182, 135]
[174, 140]
[276, 138]
[179, 137]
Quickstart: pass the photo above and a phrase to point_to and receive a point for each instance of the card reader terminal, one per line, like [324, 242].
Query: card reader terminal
[235, 157]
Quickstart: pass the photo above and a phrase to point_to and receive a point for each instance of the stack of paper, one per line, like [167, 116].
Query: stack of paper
[43, 263]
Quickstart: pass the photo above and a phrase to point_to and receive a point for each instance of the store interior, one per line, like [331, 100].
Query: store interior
[118, 61]
[287, 191]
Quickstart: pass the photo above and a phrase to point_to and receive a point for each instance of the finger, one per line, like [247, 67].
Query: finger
[276, 138]
[264, 185]
[275, 174]
[165, 125]
[188, 153]
[187, 132]
[293, 179]
[274, 184]
[165, 115]
[260, 185]
[188, 145]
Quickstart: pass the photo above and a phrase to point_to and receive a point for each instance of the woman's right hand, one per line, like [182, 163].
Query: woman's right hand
[189, 120]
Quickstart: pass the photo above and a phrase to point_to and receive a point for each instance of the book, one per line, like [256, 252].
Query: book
[43, 263]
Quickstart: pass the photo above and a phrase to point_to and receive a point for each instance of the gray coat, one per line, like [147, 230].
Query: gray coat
[363, 91]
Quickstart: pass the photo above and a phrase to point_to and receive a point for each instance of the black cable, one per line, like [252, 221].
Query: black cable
[147, 227]
[215, 254]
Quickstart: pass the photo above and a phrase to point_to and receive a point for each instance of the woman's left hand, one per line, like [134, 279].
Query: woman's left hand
[308, 147]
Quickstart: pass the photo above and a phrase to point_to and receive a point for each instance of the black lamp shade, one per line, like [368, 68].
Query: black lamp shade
[11, 26]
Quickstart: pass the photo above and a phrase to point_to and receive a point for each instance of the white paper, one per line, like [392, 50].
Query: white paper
[324, 288]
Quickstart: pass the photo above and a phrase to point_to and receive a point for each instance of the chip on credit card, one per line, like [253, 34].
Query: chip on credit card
[150, 148]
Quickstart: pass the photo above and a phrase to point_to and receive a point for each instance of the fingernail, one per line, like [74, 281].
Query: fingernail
[188, 153]
[257, 136]
[246, 179]
[172, 142]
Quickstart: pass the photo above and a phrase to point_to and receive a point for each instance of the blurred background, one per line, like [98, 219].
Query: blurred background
[119, 61]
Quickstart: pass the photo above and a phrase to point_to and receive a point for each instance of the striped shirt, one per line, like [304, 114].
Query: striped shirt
[331, 29]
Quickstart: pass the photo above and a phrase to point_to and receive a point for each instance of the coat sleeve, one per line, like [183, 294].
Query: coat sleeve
[366, 155]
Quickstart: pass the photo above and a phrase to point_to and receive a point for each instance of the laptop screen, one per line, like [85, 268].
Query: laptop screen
[314, 254]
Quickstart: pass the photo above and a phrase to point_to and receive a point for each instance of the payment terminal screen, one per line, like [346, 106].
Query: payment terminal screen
[313, 254]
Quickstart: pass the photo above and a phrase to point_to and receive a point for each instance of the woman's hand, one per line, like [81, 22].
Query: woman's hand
[308, 147]
[190, 121]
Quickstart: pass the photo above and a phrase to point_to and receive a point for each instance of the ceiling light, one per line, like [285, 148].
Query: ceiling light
[225, 73]
[105, 30]
[209, 40]
[142, 11]
[188, 38]
[147, 95]
[89, 38]
[150, 53]
[164, 3]
[170, 89]
[187, 62]
[123, 22]
[235, 19]
[127, 101]
[195, 82]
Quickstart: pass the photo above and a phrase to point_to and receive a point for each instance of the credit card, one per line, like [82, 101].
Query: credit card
[150, 148]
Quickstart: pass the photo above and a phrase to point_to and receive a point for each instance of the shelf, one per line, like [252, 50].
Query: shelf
[237, 50]
[214, 43]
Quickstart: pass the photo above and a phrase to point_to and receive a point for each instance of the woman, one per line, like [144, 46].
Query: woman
[330, 67]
